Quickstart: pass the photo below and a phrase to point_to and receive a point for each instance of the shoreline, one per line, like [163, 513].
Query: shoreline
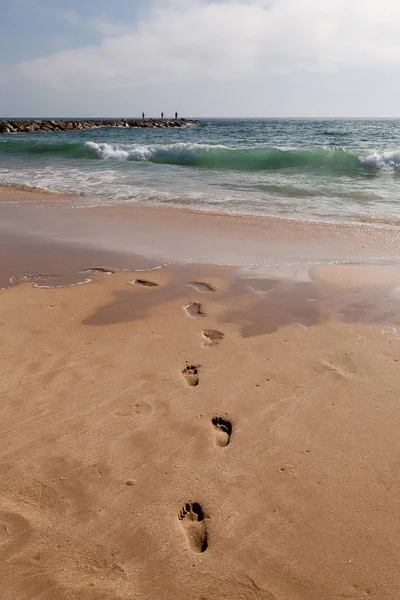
[48, 233]
[9, 192]
[305, 171]
[38, 194]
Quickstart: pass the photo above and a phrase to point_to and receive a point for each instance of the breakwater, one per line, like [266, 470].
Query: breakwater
[43, 125]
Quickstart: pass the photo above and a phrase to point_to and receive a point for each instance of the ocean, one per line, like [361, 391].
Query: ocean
[323, 170]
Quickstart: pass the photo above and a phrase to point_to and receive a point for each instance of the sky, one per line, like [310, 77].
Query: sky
[204, 58]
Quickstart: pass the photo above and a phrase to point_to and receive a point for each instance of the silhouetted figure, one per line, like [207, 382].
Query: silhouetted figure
[143, 115]
[176, 115]
[162, 115]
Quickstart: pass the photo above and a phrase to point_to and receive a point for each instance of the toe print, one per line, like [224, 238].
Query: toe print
[223, 430]
[191, 519]
[191, 374]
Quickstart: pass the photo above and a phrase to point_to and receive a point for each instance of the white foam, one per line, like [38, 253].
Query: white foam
[111, 151]
[145, 153]
[388, 160]
[50, 287]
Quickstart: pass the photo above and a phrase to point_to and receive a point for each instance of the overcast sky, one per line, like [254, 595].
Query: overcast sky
[241, 58]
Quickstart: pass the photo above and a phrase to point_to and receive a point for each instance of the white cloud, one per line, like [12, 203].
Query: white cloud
[228, 40]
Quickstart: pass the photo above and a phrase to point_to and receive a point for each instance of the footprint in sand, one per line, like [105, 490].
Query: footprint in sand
[191, 374]
[145, 283]
[191, 518]
[195, 310]
[223, 429]
[202, 286]
[212, 337]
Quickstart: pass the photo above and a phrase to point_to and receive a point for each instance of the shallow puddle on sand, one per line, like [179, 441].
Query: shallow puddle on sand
[56, 264]
[276, 304]
[258, 306]
[134, 301]
[131, 304]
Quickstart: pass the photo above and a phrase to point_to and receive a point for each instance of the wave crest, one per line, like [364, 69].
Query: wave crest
[382, 160]
[338, 161]
[240, 159]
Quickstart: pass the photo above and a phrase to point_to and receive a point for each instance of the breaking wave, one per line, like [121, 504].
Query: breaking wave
[381, 160]
[203, 156]
[252, 159]
[337, 161]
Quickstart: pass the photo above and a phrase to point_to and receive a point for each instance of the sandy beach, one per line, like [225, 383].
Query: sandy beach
[213, 416]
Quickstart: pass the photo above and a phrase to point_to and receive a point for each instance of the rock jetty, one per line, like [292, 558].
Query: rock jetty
[43, 125]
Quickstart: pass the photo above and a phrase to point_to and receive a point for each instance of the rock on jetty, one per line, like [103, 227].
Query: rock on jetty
[42, 125]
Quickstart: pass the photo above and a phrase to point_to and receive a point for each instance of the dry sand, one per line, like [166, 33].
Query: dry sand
[116, 478]
[248, 449]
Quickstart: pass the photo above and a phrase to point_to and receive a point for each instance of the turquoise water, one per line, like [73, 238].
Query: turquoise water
[331, 170]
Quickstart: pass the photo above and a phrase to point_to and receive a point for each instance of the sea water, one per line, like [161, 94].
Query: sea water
[329, 170]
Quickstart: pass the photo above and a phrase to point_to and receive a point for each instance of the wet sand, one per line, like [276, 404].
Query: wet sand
[267, 246]
[245, 450]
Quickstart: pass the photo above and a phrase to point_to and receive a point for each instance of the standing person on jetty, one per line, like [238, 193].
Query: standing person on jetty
[143, 115]
[162, 115]
[176, 115]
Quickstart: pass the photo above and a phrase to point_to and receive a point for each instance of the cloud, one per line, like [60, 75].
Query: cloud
[227, 40]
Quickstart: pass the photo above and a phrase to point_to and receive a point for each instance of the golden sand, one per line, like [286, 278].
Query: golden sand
[275, 477]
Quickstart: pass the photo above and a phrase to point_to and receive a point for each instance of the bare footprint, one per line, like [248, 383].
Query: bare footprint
[195, 310]
[212, 337]
[202, 286]
[191, 518]
[224, 430]
[191, 374]
[145, 283]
